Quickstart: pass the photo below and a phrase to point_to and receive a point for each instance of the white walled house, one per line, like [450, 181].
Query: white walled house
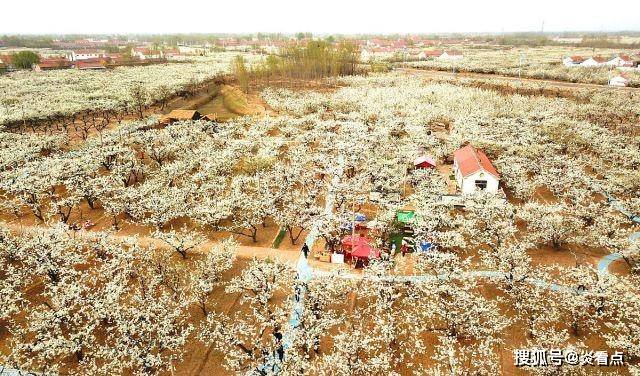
[595, 61]
[619, 80]
[146, 53]
[621, 61]
[429, 54]
[451, 55]
[474, 171]
[573, 61]
[85, 55]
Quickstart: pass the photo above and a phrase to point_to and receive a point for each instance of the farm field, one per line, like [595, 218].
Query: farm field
[539, 62]
[137, 246]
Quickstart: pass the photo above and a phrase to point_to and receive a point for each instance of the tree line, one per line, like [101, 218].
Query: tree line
[314, 60]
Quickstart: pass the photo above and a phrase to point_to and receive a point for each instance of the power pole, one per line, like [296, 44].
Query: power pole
[520, 61]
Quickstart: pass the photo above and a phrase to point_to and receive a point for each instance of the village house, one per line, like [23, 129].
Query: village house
[51, 64]
[170, 53]
[573, 61]
[85, 55]
[399, 44]
[620, 81]
[143, 53]
[451, 55]
[594, 61]
[621, 61]
[474, 172]
[91, 64]
[376, 42]
[429, 54]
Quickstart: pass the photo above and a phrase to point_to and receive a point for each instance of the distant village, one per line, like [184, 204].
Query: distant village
[86, 57]
[620, 61]
[97, 54]
[85, 54]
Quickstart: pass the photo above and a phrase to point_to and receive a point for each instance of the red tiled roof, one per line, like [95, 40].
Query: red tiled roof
[471, 160]
[433, 52]
[577, 58]
[146, 51]
[600, 59]
[93, 64]
[54, 63]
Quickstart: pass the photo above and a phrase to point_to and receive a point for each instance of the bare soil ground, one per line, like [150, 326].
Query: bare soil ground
[231, 102]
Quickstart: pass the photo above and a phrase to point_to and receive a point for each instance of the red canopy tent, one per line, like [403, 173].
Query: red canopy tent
[359, 249]
[424, 162]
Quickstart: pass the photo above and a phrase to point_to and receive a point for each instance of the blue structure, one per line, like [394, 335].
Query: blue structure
[426, 247]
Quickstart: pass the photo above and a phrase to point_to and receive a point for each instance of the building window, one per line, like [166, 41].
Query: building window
[481, 184]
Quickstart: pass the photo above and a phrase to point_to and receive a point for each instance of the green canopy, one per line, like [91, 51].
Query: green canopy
[405, 216]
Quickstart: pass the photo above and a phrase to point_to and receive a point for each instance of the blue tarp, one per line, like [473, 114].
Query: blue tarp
[360, 217]
[426, 247]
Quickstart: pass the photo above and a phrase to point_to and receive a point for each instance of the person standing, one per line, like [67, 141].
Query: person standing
[305, 250]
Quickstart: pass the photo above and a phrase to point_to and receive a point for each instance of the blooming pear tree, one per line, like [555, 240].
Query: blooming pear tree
[550, 223]
[622, 318]
[252, 340]
[182, 241]
[208, 273]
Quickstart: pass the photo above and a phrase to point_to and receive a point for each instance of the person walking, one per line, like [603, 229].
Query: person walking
[305, 250]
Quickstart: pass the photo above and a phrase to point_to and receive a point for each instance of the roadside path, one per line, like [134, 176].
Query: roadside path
[603, 265]
[243, 251]
[303, 269]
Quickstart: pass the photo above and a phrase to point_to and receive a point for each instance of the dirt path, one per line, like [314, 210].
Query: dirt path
[243, 251]
[553, 83]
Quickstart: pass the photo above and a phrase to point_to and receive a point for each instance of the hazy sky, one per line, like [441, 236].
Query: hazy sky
[326, 16]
